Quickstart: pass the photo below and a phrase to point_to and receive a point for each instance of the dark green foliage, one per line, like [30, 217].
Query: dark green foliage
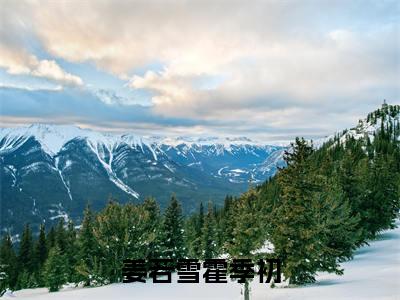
[71, 254]
[40, 255]
[152, 222]
[208, 236]
[339, 225]
[295, 234]
[51, 238]
[26, 259]
[172, 244]
[112, 234]
[313, 225]
[61, 235]
[247, 232]
[41, 248]
[4, 281]
[334, 199]
[380, 199]
[86, 248]
[55, 269]
[8, 263]
[194, 233]
[315, 212]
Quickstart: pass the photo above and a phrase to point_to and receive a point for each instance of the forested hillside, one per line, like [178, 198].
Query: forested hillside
[313, 215]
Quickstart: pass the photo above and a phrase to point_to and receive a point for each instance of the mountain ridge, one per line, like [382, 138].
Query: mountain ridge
[52, 171]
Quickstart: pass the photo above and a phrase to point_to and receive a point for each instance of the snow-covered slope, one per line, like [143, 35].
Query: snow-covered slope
[46, 166]
[384, 117]
[373, 274]
[212, 153]
[54, 137]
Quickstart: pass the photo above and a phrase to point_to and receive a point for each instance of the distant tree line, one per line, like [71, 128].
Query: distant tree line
[315, 212]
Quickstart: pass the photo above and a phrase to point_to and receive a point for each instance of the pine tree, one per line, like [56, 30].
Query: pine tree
[314, 226]
[248, 233]
[228, 222]
[86, 248]
[40, 254]
[194, 233]
[25, 257]
[41, 248]
[152, 228]
[8, 261]
[191, 237]
[380, 200]
[200, 220]
[23, 280]
[295, 236]
[120, 234]
[71, 251]
[208, 237]
[337, 226]
[172, 243]
[61, 235]
[55, 269]
[51, 238]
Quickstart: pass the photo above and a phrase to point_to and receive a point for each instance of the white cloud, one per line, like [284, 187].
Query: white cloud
[18, 62]
[341, 65]
[32, 88]
[16, 34]
[280, 63]
[51, 70]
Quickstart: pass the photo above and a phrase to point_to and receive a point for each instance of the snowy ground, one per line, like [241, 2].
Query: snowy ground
[373, 274]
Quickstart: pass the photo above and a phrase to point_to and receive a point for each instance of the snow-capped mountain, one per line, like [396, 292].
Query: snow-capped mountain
[384, 117]
[387, 115]
[53, 171]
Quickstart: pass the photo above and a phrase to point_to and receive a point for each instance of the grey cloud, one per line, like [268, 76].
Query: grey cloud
[296, 67]
[77, 105]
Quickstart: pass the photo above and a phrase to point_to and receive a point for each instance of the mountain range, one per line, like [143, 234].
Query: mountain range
[49, 172]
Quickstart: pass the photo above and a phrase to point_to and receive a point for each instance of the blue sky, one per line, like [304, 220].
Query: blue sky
[269, 70]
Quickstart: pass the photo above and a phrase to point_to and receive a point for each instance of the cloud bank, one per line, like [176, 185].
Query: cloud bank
[280, 67]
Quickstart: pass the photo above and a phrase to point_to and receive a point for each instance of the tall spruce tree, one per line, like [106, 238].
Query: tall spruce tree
[191, 236]
[208, 236]
[314, 226]
[336, 226]
[200, 220]
[51, 238]
[87, 247]
[41, 248]
[120, 234]
[61, 235]
[55, 269]
[380, 200]
[25, 258]
[248, 232]
[228, 222]
[194, 233]
[71, 254]
[40, 255]
[295, 236]
[152, 220]
[172, 242]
